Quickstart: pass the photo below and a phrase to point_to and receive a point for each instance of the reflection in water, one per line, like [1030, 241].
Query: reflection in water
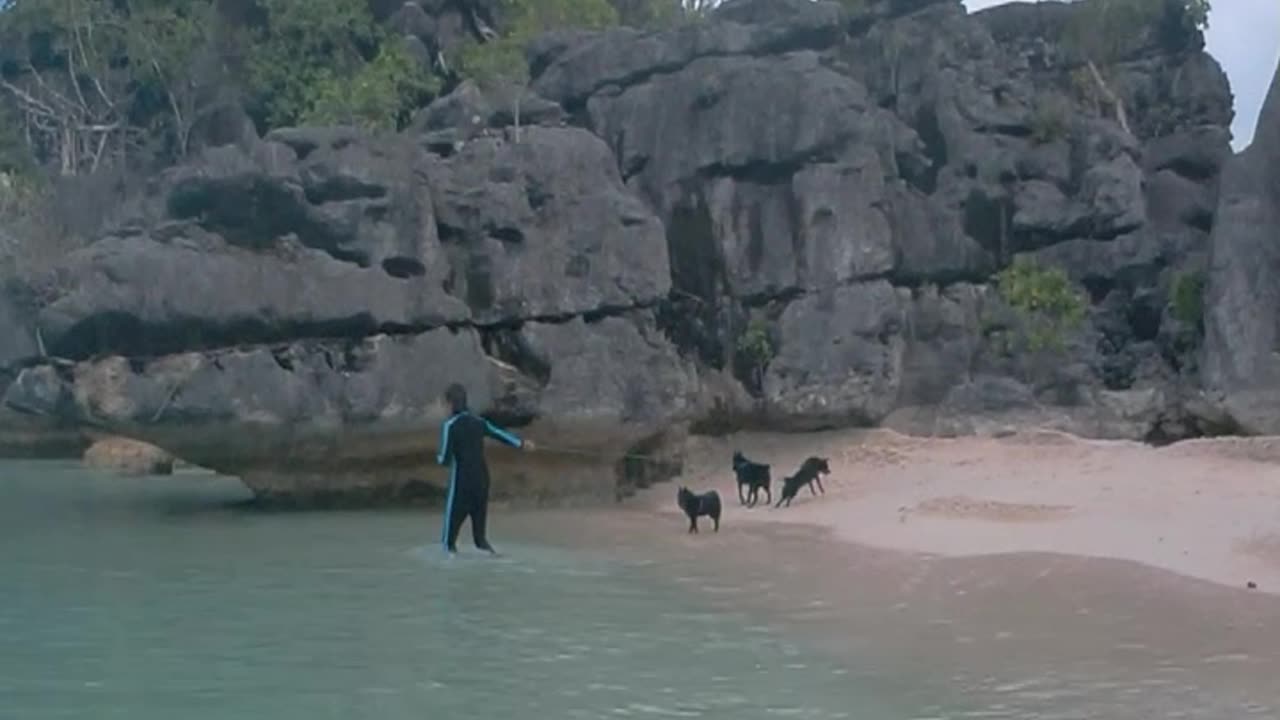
[140, 599]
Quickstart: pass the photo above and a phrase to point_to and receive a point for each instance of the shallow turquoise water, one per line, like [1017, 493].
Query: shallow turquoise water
[162, 598]
[151, 599]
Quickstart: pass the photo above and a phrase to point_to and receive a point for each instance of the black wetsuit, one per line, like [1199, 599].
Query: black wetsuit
[462, 448]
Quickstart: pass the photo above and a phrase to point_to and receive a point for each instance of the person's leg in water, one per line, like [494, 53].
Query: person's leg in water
[479, 522]
[456, 511]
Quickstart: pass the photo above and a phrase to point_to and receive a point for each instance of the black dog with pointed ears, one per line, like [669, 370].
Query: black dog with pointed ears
[754, 477]
[695, 506]
[810, 472]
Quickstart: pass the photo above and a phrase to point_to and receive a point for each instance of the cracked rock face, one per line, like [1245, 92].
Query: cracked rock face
[1242, 300]
[836, 189]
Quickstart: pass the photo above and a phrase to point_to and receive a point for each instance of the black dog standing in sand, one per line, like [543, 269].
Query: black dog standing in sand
[811, 471]
[697, 505]
[754, 477]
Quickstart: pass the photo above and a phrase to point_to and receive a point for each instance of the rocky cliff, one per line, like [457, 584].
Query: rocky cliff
[289, 308]
[1242, 368]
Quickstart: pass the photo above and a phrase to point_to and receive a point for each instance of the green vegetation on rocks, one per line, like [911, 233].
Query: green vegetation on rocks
[500, 66]
[755, 349]
[1047, 304]
[1187, 298]
[328, 62]
[1105, 32]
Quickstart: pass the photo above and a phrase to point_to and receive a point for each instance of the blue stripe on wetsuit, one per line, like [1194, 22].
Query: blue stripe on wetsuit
[441, 456]
[496, 432]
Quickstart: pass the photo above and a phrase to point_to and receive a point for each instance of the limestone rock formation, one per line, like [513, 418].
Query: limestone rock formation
[1242, 302]
[839, 189]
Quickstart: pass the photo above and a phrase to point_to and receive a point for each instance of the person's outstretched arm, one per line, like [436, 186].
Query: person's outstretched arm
[504, 436]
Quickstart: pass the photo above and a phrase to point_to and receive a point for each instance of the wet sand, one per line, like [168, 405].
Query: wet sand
[1020, 635]
[1207, 509]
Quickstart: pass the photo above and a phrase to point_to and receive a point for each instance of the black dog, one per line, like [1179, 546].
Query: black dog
[697, 505]
[754, 477]
[811, 471]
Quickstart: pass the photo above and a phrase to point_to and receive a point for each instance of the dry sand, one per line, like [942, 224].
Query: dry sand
[1208, 509]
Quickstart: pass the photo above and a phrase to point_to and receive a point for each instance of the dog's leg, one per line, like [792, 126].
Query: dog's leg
[693, 524]
[819, 479]
[769, 494]
[716, 518]
[741, 499]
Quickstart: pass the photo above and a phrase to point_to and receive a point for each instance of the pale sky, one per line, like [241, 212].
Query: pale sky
[1244, 36]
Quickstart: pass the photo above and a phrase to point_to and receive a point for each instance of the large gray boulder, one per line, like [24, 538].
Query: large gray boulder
[278, 308]
[544, 227]
[1242, 367]
[839, 359]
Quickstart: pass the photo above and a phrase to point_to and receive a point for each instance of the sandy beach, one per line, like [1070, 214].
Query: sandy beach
[1208, 509]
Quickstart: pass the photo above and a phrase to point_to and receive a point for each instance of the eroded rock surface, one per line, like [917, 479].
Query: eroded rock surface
[289, 309]
[1242, 303]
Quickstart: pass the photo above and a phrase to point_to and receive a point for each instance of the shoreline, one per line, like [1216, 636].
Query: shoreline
[1203, 509]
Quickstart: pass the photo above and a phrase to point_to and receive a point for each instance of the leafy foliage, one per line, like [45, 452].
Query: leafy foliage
[1049, 118]
[304, 47]
[527, 18]
[91, 81]
[1187, 298]
[502, 61]
[500, 65]
[1044, 299]
[163, 42]
[379, 95]
[648, 14]
[328, 62]
[496, 64]
[755, 350]
[1104, 30]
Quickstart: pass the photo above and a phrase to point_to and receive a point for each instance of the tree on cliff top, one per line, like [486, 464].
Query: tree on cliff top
[500, 66]
[380, 95]
[92, 81]
[327, 61]
[1104, 31]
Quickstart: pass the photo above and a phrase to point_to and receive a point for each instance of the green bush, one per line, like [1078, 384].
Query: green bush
[755, 349]
[500, 65]
[1046, 302]
[1104, 30]
[381, 95]
[503, 60]
[495, 63]
[1050, 119]
[327, 61]
[1187, 298]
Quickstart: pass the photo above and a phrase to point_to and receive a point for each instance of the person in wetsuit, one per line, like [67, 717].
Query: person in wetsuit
[462, 449]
